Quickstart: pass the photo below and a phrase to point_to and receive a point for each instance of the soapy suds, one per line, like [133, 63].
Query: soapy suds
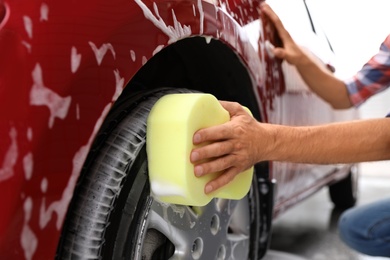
[28, 165]
[175, 32]
[144, 60]
[44, 185]
[163, 189]
[28, 239]
[27, 45]
[75, 60]
[44, 12]
[269, 47]
[224, 7]
[132, 55]
[101, 52]
[119, 84]
[165, 206]
[28, 26]
[181, 210]
[29, 134]
[158, 49]
[201, 18]
[10, 158]
[40, 95]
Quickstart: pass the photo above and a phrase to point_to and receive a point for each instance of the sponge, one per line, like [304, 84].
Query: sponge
[171, 124]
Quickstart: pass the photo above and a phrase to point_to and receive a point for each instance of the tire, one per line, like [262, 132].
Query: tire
[113, 215]
[344, 193]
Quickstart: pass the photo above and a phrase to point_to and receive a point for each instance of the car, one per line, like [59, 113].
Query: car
[295, 107]
[77, 81]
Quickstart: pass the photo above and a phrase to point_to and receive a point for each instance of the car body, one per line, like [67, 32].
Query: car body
[77, 80]
[295, 106]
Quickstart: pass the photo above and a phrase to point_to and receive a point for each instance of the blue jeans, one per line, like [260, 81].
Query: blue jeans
[367, 228]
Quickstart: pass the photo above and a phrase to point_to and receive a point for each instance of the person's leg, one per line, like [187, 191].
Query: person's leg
[367, 228]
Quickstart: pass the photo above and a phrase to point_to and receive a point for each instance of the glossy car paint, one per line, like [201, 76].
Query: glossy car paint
[63, 64]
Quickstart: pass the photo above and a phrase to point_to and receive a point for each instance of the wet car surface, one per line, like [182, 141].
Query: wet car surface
[77, 82]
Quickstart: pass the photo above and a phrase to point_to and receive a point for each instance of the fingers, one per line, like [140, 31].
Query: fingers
[283, 33]
[221, 181]
[272, 16]
[219, 132]
[233, 108]
[269, 12]
[279, 53]
[290, 51]
[213, 150]
[216, 165]
[212, 134]
[222, 150]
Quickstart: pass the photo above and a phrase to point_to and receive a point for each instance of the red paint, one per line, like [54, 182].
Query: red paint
[48, 44]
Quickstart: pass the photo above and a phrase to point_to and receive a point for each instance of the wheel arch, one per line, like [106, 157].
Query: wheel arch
[201, 64]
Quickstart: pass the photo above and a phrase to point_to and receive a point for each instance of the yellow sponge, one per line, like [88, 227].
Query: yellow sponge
[171, 125]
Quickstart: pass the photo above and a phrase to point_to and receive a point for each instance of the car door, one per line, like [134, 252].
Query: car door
[299, 106]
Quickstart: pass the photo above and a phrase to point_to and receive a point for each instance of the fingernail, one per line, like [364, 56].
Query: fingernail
[198, 171]
[208, 189]
[196, 138]
[194, 156]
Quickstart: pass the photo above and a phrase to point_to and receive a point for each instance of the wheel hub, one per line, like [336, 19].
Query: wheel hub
[219, 230]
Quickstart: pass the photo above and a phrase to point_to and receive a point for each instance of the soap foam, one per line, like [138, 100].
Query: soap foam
[164, 189]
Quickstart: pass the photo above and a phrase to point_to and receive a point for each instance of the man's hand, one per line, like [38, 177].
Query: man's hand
[290, 51]
[230, 148]
[319, 79]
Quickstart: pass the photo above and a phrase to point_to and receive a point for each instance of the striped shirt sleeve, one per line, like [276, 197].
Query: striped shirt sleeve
[373, 78]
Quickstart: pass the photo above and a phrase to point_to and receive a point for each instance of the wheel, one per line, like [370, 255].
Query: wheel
[114, 216]
[344, 193]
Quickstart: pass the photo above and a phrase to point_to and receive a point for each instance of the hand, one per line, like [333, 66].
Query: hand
[290, 51]
[230, 148]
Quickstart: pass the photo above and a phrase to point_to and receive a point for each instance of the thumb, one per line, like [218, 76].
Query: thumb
[279, 53]
[233, 108]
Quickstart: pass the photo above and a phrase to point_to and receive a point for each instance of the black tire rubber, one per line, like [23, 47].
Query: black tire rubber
[112, 198]
[344, 193]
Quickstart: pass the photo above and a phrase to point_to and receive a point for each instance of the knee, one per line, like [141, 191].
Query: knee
[361, 231]
[354, 229]
[347, 227]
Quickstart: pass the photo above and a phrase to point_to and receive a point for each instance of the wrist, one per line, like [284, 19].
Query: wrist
[303, 59]
[266, 141]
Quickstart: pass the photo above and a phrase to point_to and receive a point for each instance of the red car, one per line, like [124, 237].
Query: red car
[77, 80]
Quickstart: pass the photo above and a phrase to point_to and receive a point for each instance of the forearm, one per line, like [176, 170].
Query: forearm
[318, 78]
[237, 145]
[357, 141]
[323, 82]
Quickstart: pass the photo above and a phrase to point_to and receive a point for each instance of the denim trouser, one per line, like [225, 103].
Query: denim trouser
[367, 228]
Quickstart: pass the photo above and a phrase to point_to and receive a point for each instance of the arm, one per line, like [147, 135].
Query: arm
[319, 79]
[239, 144]
[348, 142]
